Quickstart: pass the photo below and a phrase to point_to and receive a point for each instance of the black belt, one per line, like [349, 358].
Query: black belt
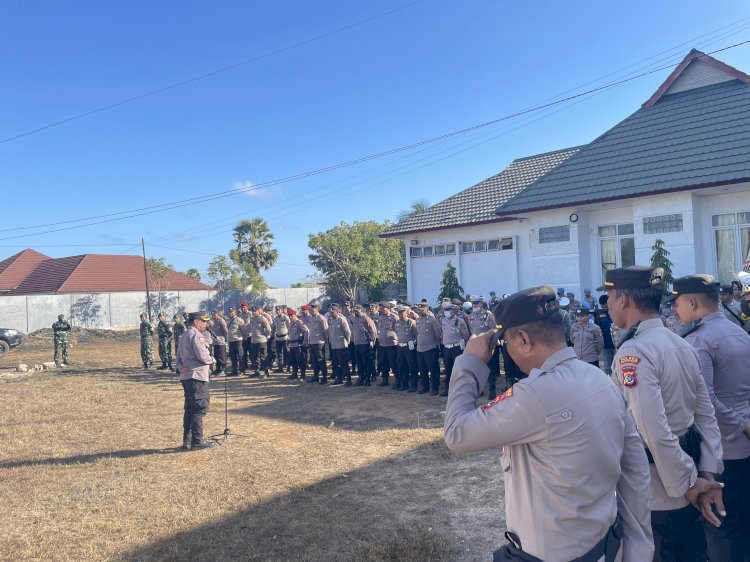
[608, 547]
[690, 442]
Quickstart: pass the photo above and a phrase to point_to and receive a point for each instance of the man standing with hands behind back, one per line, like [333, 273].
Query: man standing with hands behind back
[659, 375]
[576, 475]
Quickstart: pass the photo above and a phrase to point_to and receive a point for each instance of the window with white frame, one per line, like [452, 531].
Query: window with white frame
[731, 244]
[480, 246]
[616, 246]
[427, 251]
[450, 249]
[440, 250]
[467, 247]
[415, 252]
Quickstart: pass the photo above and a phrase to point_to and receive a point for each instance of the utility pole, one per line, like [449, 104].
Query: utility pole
[145, 274]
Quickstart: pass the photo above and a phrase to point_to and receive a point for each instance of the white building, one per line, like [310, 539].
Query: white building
[678, 169]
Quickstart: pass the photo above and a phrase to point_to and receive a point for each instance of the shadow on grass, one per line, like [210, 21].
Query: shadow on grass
[83, 459]
[390, 510]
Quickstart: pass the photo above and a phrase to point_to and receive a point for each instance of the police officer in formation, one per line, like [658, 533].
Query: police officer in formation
[259, 332]
[234, 340]
[659, 374]
[455, 335]
[481, 321]
[339, 335]
[299, 340]
[219, 334]
[586, 338]
[406, 352]
[164, 334]
[723, 349]
[364, 334]
[429, 340]
[146, 332]
[387, 339]
[280, 327]
[318, 326]
[194, 363]
[178, 329]
[575, 471]
[60, 331]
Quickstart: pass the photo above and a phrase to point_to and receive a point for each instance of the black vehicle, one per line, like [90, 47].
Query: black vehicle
[8, 339]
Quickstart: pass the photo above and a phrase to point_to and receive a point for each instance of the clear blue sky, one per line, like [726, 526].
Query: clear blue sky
[428, 69]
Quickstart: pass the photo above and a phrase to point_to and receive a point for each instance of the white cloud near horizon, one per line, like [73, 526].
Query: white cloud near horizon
[248, 189]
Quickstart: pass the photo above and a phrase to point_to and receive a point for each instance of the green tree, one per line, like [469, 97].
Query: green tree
[415, 208]
[224, 274]
[193, 273]
[352, 256]
[449, 287]
[660, 258]
[158, 273]
[254, 244]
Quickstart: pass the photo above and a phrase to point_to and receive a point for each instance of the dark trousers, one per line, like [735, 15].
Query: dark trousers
[678, 535]
[731, 541]
[317, 363]
[196, 405]
[297, 361]
[429, 368]
[407, 367]
[220, 354]
[449, 357]
[271, 350]
[351, 354]
[259, 357]
[340, 364]
[235, 354]
[494, 365]
[282, 353]
[245, 354]
[363, 360]
[387, 361]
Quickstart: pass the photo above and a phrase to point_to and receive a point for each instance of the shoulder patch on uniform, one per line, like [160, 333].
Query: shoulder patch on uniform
[629, 359]
[507, 394]
[629, 377]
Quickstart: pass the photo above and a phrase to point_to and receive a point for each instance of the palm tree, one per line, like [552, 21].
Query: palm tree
[254, 244]
[414, 209]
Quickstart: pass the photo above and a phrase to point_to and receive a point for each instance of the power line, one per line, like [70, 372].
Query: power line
[209, 74]
[193, 201]
[215, 255]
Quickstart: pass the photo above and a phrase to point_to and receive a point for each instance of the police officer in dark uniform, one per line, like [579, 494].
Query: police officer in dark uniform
[575, 472]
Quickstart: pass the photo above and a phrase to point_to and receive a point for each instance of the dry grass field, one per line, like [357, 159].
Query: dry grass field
[91, 469]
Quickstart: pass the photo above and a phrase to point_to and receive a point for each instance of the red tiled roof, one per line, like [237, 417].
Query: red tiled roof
[97, 273]
[17, 267]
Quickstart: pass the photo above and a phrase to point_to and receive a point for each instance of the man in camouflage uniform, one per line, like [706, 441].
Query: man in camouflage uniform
[60, 330]
[164, 331]
[146, 331]
[178, 329]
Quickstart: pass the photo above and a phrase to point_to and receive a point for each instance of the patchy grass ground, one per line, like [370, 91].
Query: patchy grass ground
[90, 469]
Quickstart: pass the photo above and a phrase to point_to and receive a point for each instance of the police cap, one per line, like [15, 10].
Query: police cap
[633, 277]
[385, 304]
[335, 306]
[582, 312]
[529, 305]
[692, 284]
[200, 315]
[291, 312]
[726, 289]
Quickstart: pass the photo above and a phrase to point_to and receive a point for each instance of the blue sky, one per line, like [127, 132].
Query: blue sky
[430, 68]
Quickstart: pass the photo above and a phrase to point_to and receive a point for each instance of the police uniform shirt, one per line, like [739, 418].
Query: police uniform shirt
[587, 341]
[193, 356]
[387, 330]
[220, 330]
[568, 444]
[281, 326]
[260, 329]
[481, 322]
[361, 327]
[234, 329]
[724, 350]
[454, 330]
[429, 333]
[659, 375]
[733, 312]
[247, 317]
[318, 327]
[339, 332]
[407, 331]
[297, 330]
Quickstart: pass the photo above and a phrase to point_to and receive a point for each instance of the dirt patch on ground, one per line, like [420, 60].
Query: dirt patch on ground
[90, 469]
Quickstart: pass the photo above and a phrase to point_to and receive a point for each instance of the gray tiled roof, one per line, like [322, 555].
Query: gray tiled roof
[686, 140]
[477, 204]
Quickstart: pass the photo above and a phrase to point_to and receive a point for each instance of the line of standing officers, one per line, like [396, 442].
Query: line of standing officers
[652, 463]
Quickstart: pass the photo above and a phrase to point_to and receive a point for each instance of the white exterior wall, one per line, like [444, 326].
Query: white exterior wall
[575, 264]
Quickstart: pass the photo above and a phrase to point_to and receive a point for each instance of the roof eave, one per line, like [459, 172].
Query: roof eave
[449, 227]
[511, 214]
